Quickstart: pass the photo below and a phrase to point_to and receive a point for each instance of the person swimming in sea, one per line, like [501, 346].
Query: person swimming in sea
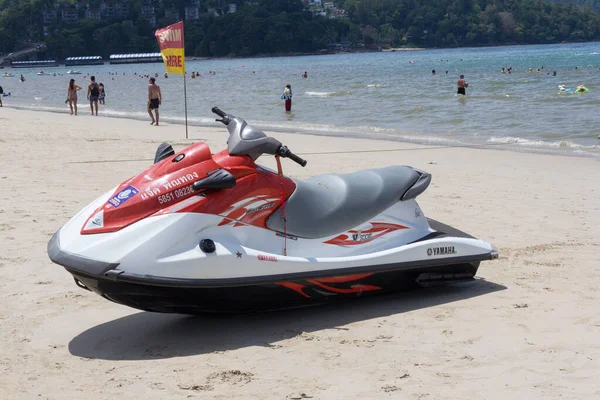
[462, 85]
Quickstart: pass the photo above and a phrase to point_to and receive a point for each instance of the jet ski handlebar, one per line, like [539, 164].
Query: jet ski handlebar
[224, 116]
[284, 152]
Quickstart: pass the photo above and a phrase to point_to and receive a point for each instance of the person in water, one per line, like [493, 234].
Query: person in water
[287, 96]
[22, 78]
[154, 100]
[462, 85]
[72, 95]
[102, 93]
[93, 93]
[305, 75]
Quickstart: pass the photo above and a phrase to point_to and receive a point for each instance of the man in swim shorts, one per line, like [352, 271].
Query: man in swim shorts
[154, 100]
[462, 85]
[92, 94]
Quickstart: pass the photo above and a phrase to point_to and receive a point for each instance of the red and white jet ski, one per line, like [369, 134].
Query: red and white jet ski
[200, 232]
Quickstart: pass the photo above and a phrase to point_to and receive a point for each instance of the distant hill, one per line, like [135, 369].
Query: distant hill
[591, 4]
[216, 28]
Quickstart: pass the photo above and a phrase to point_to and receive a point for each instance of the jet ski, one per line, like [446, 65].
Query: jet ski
[200, 232]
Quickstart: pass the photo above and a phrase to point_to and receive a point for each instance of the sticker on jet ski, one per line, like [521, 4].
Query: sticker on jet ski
[441, 251]
[123, 196]
[287, 236]
[260, 208]
[265, 257]
[249, 210]
[325, 286]
[356, 237]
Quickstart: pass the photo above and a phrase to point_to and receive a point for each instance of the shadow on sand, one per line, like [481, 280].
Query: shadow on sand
[146, 335]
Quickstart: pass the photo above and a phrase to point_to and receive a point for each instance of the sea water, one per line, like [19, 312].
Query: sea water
[383, 95]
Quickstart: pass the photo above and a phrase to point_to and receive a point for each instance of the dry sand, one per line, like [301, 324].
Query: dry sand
[530, 329]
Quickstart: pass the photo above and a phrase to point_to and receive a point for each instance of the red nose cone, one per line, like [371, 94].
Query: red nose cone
[161, 185]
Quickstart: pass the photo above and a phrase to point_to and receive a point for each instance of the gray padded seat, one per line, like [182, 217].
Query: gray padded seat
[328, 204]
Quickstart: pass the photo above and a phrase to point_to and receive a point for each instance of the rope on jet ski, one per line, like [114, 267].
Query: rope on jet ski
[282, 201]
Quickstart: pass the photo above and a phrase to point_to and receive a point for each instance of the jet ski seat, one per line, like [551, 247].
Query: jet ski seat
[328, 204]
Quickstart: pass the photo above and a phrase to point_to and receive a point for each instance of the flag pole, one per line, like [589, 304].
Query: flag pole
[185, 102]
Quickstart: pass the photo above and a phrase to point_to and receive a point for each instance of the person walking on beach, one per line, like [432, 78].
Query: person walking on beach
[93, 93]
[154, 100]
[462, 85]
[72, 95]
[287, 96]
[1, 93]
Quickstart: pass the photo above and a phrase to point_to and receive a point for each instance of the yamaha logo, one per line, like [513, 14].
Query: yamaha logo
[441, 251]
[124, 194]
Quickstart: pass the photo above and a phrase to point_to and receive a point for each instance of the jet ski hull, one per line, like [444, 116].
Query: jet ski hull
[195, 296]
[300, 288]
[266, 296]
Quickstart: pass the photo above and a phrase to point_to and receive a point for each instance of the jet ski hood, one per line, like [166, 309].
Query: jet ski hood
[162, 184]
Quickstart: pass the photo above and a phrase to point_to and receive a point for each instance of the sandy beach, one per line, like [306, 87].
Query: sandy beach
[529, 328]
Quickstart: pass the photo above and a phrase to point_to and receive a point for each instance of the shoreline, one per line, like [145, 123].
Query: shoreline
[325, 52]
[440, 143]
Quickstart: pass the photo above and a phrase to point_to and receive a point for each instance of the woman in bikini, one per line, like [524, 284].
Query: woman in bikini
[72, 95]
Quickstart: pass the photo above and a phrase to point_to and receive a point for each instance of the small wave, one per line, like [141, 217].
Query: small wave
[377, 85]
[565, 144]
[327, 94]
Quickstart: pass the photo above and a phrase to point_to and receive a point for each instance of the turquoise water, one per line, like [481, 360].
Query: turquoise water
[377, 95]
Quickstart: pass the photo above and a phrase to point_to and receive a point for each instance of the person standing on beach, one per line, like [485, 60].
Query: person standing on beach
[287, 96]
[93, 93]
[462, 85]
[1, 93]
[154, 100]
[72, 95]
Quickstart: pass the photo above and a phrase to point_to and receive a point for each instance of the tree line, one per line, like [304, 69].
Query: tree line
[287, 26]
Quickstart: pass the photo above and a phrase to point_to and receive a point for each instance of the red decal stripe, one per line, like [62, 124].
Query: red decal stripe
[295, 287]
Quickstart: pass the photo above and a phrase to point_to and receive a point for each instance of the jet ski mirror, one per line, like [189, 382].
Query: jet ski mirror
[217, 179]
[163, 151]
